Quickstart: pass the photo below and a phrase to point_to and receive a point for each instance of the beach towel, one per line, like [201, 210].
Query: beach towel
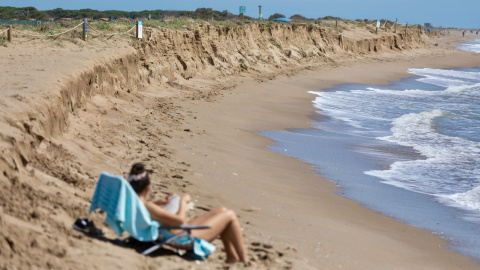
[125, 211]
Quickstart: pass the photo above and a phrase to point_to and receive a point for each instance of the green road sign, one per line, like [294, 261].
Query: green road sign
[243, 9]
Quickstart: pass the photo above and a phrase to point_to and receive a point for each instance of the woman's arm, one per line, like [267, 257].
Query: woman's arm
[167, 218]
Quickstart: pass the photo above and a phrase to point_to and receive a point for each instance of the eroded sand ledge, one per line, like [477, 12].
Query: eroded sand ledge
[189, 104]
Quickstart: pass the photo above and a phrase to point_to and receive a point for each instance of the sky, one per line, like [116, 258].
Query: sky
[446, 13]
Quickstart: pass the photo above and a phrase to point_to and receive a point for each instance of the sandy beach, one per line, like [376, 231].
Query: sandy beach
[68, 113]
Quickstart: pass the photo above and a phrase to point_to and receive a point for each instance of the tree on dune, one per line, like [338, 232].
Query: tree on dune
[276, 16]
[299, 18]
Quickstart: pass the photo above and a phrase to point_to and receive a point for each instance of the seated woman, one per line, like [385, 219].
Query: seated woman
[223, 221]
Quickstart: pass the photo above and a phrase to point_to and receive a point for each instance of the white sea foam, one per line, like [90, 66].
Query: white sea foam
[469, 199]
[445, 73]
[408, 92]
[438, 123]
[471, 47]
[463, 88]
[450, 88]
[415, 130]
[334, 105]
[447, 159]
[453, 80]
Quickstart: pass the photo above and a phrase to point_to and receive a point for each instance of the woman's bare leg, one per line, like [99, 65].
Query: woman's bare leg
[219, 225]
[224, 222]
[199, 220]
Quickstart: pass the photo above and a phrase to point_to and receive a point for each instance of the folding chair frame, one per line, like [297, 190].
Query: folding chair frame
[187, 230]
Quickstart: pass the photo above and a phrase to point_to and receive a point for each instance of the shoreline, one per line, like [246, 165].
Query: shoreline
[327, 79]
[333, 152]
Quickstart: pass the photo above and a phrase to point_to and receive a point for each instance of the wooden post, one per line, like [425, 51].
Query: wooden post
[85, 30]
[396, 22]
[136, 30]
[385, 25]
[243, 18]
[336, 22]
[9, 34]
[406, 28]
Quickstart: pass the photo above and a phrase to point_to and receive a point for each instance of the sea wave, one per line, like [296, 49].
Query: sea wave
[446, 73]
[415, 130]
[471, 46]
[469, 199]
[449, 163]
[453, 80]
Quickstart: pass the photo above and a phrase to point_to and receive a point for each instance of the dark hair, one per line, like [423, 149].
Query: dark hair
[138, 178]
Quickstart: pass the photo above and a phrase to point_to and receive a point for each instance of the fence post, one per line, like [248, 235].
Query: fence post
[139, 30]
[85, 30]
[336, 22]
[396, 22]
[9, 33]
[385, 25]
[406, 28]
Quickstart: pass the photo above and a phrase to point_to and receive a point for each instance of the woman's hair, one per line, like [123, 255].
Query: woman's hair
[138, 178]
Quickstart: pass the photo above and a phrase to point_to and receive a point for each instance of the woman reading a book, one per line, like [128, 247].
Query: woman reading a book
[223, 221]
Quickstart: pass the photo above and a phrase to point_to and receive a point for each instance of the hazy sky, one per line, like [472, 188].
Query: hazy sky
[446, 13]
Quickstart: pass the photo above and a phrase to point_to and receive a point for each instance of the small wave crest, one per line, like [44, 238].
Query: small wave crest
[449, 164]
[453, 80]
[447, 73]
[469, 199]
[413, 128]
[471, 46]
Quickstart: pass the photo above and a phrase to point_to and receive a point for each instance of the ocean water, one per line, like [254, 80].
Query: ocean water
[473, 46]
[410, 150]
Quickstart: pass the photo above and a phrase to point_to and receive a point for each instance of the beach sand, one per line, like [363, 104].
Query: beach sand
[200, 136]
